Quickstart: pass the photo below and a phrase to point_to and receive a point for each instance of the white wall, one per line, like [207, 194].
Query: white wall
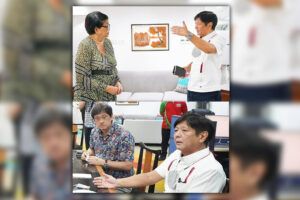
[121, 18]
[285, 116]
[219, 108]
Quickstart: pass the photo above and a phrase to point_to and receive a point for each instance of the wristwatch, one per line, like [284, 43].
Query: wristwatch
[105, 165]
[190, 35]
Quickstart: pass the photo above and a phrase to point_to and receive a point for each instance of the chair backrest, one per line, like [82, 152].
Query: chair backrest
[146, 163]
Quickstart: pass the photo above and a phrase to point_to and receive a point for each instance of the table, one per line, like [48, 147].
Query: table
[81, 166]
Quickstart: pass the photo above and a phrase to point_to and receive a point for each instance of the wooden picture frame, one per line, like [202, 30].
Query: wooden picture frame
[150, 37]
[127, 103]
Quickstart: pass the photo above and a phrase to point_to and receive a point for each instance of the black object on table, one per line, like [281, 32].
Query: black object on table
[81, 166]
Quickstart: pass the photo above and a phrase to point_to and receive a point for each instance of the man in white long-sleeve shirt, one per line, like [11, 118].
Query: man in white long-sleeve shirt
[192, 168]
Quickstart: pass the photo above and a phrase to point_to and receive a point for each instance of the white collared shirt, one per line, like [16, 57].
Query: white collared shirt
[195, 173]
[261, 45]
[205, 75]
[262, 196]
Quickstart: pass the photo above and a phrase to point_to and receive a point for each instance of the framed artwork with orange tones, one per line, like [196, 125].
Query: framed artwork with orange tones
[150, 37]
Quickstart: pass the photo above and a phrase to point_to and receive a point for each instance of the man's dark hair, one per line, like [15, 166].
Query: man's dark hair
[250, 147]
[93, 20]
[198, 123]
[206, 17]
[102, 107]
[49, 116]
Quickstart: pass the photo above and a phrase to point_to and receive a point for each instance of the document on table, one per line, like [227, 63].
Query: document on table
[83, 191]
[83, 176]
[82, 186]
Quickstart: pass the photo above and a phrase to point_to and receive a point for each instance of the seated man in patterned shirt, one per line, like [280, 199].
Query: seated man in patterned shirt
[51, 169]
[111, 146]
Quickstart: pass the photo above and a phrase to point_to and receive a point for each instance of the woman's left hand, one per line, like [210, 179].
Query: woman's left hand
[120, 87]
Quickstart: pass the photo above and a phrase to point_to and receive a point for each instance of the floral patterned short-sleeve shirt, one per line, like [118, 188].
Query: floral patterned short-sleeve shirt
[117, 145]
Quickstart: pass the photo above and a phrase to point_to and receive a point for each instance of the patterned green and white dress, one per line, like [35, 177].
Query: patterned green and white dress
[91, 86]
[36, 51]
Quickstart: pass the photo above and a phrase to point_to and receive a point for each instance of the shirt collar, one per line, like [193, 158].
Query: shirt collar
[189, 159]
[209, 36]
[262, 196]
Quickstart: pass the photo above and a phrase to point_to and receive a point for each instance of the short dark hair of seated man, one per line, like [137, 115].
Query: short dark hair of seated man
[97, 109]
[54, 133]
[199, 124]
[111, 146]
[253, 163]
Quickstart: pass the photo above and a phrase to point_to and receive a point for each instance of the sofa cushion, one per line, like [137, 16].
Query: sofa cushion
[148, 80]
[146, 96]
[174, 96]
[124, 96]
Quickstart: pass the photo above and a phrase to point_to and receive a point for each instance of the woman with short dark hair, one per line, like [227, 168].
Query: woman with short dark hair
[95, 65]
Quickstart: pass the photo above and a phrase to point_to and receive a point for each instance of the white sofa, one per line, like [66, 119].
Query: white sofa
[149, 85]
[155, 85]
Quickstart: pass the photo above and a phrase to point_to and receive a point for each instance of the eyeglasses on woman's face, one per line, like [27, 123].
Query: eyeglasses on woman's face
[107, 26]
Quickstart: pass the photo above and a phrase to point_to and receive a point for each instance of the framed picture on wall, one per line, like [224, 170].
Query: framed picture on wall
[126, 103]
[149, 37]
